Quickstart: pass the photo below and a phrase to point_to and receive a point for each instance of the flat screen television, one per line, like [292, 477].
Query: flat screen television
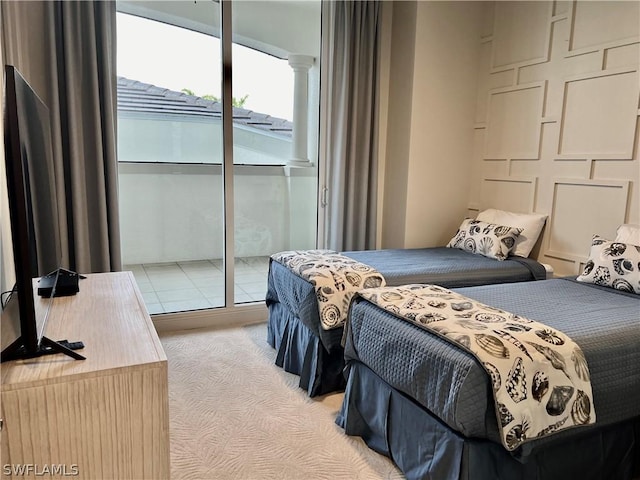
[35, 230]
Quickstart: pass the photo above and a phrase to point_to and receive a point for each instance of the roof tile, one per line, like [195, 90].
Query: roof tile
[140, 97]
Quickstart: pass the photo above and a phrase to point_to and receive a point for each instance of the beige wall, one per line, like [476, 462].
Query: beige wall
[432, 100]
[556, 127]
[400, 94]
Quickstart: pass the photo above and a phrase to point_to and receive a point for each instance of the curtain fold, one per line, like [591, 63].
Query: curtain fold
[86, 70]
[67, 52]
[351, 33]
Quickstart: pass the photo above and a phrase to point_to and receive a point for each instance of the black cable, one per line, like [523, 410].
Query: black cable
[9, 293]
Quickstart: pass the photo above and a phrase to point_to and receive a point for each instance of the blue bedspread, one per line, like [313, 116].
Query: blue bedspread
[448, 267]
[449, 382]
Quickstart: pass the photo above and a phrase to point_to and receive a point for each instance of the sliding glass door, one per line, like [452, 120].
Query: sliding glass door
[275, 64]
[170, 154]
[208, 189]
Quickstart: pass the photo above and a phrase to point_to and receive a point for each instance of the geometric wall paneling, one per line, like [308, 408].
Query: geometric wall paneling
[561, 8]
[503, 78]
[513, 122]
[621, 56]
[488, 16]
[549, 140]
[557, 53]
[599, 115]
[494, 169]
[483, 83]
[522, 168]
[521, 33]
[601, 25]
[573, 169]
[476, 168]
[515, 194]
[574, 115]
[580, 209]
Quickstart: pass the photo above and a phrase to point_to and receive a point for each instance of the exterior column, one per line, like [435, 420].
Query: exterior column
[301, 65]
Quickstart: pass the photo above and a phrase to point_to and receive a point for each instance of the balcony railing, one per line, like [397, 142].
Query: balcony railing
[172, 228]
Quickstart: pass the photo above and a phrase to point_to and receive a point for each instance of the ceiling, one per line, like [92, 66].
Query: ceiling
[276, 27]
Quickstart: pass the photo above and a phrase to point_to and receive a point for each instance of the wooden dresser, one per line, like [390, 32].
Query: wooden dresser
[103, 417]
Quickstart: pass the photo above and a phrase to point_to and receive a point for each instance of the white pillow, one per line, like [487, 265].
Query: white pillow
[530, 223]
[628, 233]
[613, 264]
[487, 239]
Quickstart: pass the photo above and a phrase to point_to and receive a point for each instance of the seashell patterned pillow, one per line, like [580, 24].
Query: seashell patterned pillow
[487, 239]
[613, 264]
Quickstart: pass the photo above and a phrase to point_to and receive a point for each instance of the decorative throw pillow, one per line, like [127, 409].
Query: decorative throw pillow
[488, 239]
[530, 223]
[613, 264]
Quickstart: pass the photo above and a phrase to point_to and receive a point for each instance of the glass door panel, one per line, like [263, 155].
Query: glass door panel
[275, 65]
[170, 153]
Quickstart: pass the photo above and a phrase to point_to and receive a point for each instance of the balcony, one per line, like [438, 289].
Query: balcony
[182, 286]
[172, 229]
[172, 199]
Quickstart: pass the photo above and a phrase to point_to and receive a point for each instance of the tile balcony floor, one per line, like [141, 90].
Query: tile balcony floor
[194, 285]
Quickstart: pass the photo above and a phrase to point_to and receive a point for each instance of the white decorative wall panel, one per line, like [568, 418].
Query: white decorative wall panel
[604, 23]
[562, 93]
[483, 85]
[513, 127]
[561, 7]
[623, 56]
[516, 194]
[528, 22]
[599, 116]
[582, 208]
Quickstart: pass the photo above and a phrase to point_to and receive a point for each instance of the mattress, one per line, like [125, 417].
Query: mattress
[448, 267]
[451, 384]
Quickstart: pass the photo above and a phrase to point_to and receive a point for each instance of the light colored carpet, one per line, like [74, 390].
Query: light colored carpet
[235, 415]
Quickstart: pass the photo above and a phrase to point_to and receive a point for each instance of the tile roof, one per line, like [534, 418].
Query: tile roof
[135, 96]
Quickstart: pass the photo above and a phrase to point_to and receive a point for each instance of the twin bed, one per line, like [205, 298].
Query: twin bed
[306, 349]
[431, 406]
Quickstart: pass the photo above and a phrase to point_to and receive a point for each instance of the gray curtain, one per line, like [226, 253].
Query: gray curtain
[351, 36]
[67, 52]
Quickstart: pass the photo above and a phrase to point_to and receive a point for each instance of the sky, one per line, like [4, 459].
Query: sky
[177, 58]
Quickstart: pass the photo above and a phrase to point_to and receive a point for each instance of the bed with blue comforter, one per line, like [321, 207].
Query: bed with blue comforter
[316, 355]
[428, 404]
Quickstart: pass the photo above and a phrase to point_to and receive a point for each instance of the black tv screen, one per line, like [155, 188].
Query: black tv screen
[39, 177]
[33, 209]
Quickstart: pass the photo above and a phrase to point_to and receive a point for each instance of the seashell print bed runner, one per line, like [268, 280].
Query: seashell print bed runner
[335, 277]
[540, 377]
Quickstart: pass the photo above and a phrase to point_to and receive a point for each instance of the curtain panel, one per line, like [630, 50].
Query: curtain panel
[67, 52]
[351, 37]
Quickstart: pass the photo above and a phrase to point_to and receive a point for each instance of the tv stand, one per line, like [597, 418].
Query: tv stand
[109, 414]
[16, 350]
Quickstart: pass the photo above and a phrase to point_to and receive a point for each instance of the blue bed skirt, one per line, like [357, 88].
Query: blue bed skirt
[425, 448]
[300, 351]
